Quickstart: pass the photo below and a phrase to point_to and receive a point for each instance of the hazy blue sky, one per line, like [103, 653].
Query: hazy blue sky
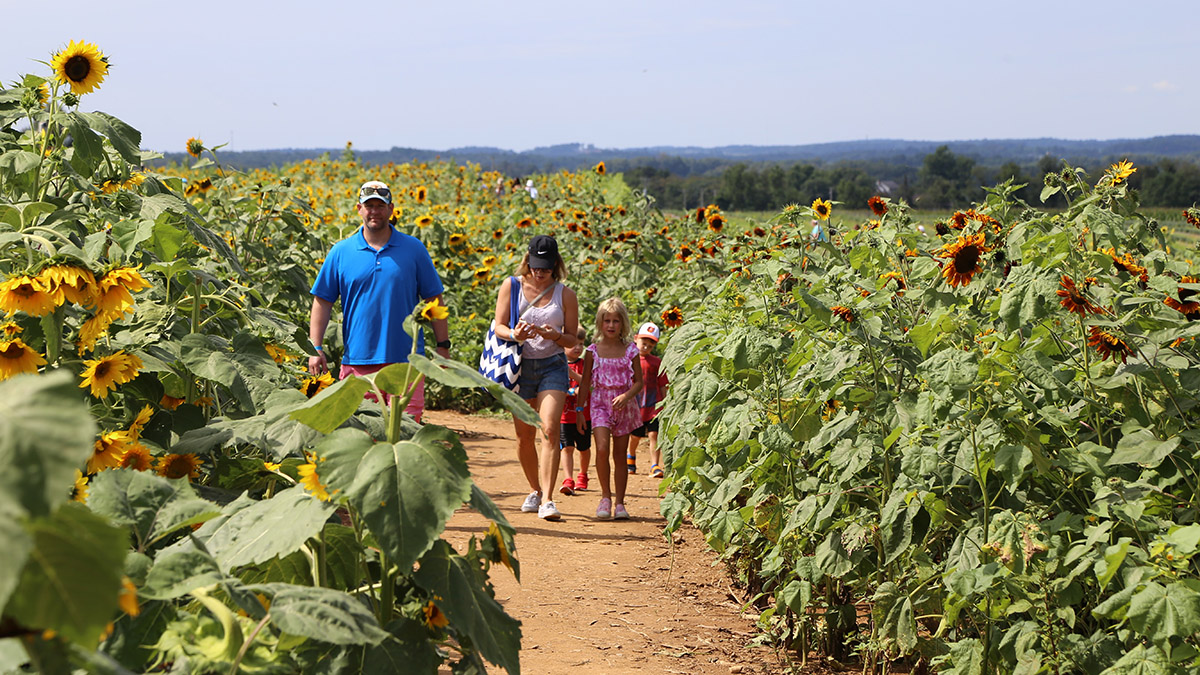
[622, 73]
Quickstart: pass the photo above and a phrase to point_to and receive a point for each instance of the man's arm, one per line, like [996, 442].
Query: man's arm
[318, 322]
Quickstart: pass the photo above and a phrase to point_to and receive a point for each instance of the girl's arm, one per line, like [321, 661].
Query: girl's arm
[631, 394]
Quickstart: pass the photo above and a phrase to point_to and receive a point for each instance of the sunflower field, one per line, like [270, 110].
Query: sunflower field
[971, 449]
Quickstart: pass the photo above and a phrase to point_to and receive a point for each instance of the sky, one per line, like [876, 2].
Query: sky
[621, 74]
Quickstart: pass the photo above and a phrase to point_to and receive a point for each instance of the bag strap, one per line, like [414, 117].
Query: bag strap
[531, 302]
[514, 302]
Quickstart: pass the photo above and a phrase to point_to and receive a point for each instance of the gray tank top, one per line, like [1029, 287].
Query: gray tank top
[539, 347]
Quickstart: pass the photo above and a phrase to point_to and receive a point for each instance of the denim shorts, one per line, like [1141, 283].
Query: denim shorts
[538, 375]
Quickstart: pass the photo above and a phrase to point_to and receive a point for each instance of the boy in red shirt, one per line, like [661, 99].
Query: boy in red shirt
[571, 439]
[651, 399]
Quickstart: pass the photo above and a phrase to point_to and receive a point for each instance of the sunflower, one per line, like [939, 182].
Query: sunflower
[11, 329]
[81, 65]
[498, 543]
[1121, 170]
[434, 618]
[526, 222]
[137, 457]
[311, 386]
[420, 193]
[1192, 216]
[79, 490]
[27, 294]
[141, 420]
[170, 402]
[109, 450]
[878, 205]
[424, 221]
[600, 168]
[17, 357]
[964, 255]
[184, 465]
[457, 239]
[1074, 300]
[893, 275]
[672, 317]
[1126, 263]
[69, 283]
[1108, 344]
[497, 234]
[92, 329]
[434, 311]
[195, 146]
[489, 261]
[127, 277]
[278, 354]
[842, 312]
[822, 208]
[106, 373]
[311, 481]
[829, 408]
[716, 222]
[128, 600]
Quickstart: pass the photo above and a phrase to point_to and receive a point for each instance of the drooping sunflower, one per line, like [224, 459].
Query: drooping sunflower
[434, 310]
[311, 386]
[1108, 344]
[699, 214]
[184, 465]
[965, 258]
[128, 599]
[1126, 263]
[81, 66]
[822, 208]
[137, 457]
[26, 294]
[311, 481]
[92, 329]
[195, 146]
[1184, 305]
[434, 618]
[498, 543]
[17, 357]
[1192, 216]
[842, 312]
[170, 402]
[79, 490]
[104, 374]
[109, 450]
[878, 205]
[69, 283]
[127, 277]
[672, 317]
[600, 169]
[278, 354]
[1074, 300]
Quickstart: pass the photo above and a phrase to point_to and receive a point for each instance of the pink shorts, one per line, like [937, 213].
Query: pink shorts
[416, 406]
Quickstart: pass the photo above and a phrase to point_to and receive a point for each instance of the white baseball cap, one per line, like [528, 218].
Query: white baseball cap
[649, 330]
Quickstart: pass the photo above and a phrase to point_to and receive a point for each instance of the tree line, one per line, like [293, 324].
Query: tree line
[942, 180]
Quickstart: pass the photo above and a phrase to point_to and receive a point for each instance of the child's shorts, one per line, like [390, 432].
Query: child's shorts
[571, 438]
[646, 427]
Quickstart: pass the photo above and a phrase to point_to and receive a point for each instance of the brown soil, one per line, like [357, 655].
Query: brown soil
[612, 597]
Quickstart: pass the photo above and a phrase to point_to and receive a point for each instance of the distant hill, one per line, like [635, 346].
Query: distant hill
[986, 152]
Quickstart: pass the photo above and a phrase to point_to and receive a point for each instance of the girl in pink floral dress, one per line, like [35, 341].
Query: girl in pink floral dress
[612, 378]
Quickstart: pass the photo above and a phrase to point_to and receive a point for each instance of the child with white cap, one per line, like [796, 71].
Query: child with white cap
[650, 399]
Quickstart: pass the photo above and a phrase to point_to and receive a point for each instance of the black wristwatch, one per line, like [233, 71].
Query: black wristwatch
[443, 344]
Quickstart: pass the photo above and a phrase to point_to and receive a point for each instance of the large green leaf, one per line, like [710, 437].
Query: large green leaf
[151, 505]
[1162, 612]
[1141, 446]
[331, 408]
[407, 650]
[46, 434]
[1142, 660]
[268, 528]
[177, 573]
[469, 606]
[324, 614]
[16, 543]
[454, 374]
[123, 137]
[407, 491]
[893, 613]
[896, 523]
[72, 575]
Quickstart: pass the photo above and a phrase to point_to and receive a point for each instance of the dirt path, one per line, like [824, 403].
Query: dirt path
[609, 596]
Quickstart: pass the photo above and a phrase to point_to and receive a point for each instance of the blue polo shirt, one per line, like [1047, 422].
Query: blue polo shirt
[378, 290]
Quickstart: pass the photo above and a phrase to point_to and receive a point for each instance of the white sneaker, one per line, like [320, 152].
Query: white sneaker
[532, 502]
[548, 511]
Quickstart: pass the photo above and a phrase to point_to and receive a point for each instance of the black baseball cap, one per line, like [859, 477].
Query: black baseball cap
[543, 252]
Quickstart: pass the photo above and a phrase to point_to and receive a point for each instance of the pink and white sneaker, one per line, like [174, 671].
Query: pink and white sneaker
[604, 510]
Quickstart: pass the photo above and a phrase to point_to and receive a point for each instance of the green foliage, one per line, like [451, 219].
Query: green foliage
[1004, 468]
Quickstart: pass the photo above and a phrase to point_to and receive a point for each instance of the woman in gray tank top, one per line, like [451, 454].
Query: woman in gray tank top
[549, 320]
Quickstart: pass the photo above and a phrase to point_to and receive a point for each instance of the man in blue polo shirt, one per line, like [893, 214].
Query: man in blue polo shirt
[380, 275]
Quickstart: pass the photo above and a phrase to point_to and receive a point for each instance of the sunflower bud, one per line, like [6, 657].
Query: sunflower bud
[70, 100]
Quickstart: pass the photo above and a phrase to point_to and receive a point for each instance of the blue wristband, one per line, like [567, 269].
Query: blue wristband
[579, 408]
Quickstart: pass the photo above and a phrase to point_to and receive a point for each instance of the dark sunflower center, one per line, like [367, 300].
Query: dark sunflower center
[12, 351]
[25, 290]
[77, 68]
[102, 370]
[966, 260]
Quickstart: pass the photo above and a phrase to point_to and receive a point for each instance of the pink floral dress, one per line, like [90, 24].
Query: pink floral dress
[610, 379]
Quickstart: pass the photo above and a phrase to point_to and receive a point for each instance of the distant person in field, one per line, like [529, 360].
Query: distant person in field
[818, 233]
[649, 400]
[380, 275]
[574, 439]
[548, 323]
[612, 378]
[533, 193]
